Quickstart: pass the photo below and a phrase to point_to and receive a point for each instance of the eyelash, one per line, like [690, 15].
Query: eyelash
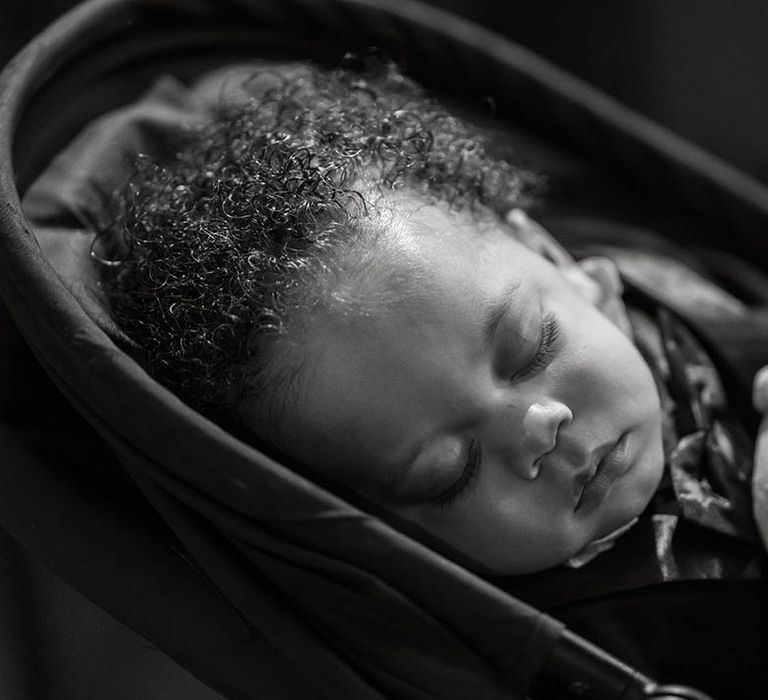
[549, 335]
[468, 475]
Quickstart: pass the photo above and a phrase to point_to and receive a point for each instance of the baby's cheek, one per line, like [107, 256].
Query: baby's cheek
[644, 388]
[623, 367]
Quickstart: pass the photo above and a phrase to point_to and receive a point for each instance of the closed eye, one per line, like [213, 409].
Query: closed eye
[550, 331]
[466, 478]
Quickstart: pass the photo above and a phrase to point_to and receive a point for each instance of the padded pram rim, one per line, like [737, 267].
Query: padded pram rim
[49, 318]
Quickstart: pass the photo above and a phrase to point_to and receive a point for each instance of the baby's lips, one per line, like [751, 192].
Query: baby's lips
[760, 390]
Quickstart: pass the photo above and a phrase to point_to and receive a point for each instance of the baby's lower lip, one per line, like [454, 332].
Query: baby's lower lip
[613, 465]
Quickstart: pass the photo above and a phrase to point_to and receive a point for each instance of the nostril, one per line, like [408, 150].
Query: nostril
[548, 452]
[542, 423]
[536, 465]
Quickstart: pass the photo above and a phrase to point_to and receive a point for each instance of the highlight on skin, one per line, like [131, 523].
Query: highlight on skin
[223, 249]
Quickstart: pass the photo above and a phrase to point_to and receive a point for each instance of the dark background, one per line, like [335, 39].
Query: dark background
[697, 66]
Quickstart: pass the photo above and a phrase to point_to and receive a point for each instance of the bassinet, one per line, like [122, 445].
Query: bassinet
[258, 581]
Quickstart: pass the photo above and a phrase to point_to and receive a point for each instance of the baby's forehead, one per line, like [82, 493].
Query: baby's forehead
[410, 233]
[411, 254]
[408, 211]
[412, 251]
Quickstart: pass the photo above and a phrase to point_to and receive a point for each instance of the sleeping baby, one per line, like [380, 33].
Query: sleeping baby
[339, 268]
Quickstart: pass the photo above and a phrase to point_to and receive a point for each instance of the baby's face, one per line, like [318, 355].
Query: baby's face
[482, 404]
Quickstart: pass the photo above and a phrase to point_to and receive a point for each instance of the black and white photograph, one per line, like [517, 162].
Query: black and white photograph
[383, 350]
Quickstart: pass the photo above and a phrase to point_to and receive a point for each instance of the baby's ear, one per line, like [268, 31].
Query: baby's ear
[596, 279]
[534, 236]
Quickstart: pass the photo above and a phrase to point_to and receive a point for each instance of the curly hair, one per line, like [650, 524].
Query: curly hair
[230, 243]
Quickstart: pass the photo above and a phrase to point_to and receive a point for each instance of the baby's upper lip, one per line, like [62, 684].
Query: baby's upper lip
[587, 473]
[581, 480]
[566, 453]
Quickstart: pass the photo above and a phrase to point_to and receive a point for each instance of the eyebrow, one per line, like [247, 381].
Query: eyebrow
[497, 309]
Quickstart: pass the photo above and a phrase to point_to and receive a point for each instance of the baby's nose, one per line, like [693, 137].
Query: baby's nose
[542, 421]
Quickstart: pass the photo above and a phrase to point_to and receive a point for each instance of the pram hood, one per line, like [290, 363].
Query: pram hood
[281, 568]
